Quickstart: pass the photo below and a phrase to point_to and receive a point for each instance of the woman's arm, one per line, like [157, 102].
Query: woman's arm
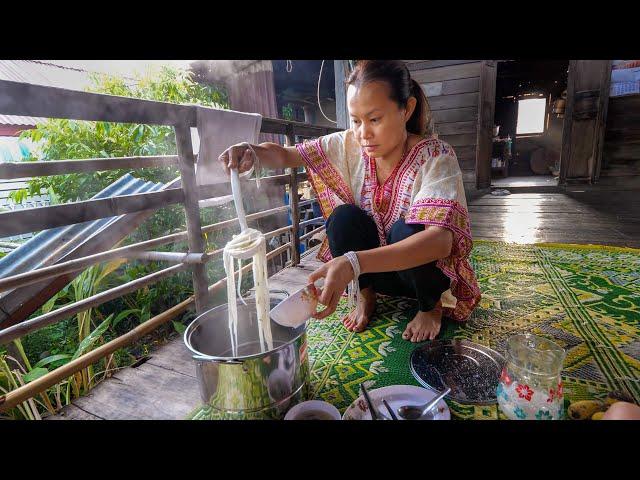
[423, 247]
[271, 155]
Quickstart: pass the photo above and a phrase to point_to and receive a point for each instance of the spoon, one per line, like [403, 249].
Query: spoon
[413, 412]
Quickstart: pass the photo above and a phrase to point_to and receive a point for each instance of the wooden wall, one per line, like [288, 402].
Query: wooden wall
[453, 90]
[621, 150]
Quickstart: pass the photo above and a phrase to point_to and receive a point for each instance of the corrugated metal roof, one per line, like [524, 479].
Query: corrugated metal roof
[64, 243]
[45, 73]
[19, 120]
[48, 246]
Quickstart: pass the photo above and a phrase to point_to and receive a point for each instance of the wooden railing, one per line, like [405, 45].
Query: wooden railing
[49, 102]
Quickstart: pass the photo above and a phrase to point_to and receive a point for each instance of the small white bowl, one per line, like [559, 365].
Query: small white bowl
[296, 309]
[313, 410]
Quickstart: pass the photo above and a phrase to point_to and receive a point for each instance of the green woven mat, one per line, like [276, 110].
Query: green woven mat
[586, 298]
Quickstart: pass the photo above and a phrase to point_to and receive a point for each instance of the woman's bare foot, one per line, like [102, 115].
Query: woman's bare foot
[357, 321]
[425, 325]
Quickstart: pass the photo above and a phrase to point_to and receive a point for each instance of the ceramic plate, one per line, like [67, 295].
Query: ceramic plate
[396, 396]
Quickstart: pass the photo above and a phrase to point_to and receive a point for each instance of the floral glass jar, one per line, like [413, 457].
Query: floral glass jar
[530, 386]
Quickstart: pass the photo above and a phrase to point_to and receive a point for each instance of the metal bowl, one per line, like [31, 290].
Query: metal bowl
[472, 371]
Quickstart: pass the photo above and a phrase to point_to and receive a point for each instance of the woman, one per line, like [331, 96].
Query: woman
[393, 199]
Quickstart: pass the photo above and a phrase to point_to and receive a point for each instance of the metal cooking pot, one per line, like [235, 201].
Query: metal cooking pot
[253, 384]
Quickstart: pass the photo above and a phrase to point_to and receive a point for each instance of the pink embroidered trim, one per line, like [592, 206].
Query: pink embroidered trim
[398, 187]
[450, 214]
[444, 213]
[316, 160]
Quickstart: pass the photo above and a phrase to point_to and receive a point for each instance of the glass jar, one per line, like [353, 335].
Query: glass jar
[530, 386]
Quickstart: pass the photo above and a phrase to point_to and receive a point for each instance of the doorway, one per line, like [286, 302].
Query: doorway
[528, 122]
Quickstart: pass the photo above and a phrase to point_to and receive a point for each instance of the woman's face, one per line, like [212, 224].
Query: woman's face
[378, 122]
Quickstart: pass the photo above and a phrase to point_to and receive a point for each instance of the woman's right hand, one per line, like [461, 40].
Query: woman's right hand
[238, 156]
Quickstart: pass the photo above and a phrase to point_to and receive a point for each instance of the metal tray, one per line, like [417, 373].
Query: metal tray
[471, 370]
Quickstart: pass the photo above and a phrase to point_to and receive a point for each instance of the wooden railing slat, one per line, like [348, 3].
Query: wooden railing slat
[26, 99]
[11, 170]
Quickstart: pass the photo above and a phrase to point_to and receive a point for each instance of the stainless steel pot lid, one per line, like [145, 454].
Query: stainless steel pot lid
[471, 371]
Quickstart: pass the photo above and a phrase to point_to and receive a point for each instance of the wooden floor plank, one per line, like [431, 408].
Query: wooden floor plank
[72, 412]
[175, 356]
[147, 392]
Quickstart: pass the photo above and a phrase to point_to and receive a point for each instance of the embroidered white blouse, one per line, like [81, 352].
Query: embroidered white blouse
[425, 187]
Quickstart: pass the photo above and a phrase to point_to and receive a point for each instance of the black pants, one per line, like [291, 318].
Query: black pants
[350, 228]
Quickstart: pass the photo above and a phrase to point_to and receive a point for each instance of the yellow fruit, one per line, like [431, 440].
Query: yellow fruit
[584, 409]
[597, 416]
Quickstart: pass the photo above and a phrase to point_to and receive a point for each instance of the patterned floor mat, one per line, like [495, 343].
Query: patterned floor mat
[586, 298]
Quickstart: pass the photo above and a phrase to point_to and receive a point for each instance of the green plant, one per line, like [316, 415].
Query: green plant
[59, 139]
[287, 112]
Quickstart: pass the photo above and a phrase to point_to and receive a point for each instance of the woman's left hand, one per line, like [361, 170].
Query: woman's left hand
[337, 274]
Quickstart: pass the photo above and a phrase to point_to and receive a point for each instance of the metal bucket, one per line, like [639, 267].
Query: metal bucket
[253, 384]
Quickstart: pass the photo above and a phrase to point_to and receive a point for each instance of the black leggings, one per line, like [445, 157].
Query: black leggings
[350, 228]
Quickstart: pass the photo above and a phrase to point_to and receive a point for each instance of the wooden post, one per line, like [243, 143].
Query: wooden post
[342, 113]
[295, 207]
[192, 213]
[601, 125]
[486, 112]
[584, 120]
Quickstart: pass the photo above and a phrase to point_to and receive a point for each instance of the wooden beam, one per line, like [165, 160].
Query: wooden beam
[342, 113]
[26, 99]
[461, 100]
[295, 209]
[450, 72]
[278, 126]
[464, 85]
[415, 65]
[40, 218]
[192, 214]
[457, 128]
[486, 115]
[11, 170]
[463, 140]
[455, 115]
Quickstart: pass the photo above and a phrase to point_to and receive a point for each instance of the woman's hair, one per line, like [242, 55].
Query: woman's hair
[396, 74]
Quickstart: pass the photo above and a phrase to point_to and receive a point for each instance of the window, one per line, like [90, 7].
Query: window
[531, 116]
